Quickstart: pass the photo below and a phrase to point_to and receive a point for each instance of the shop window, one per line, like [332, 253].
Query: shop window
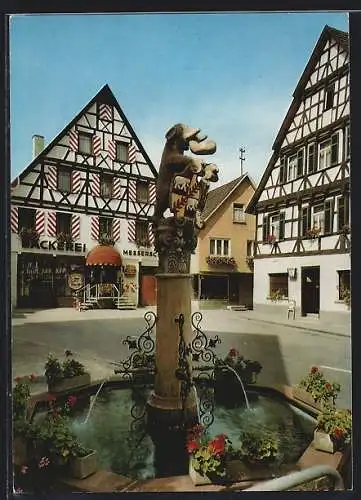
[106, 185]
[121, 151]
[141, 233]
[105, 227]
[64, 179]
[344, 283]
[219, 247]
[278, 285]
[238, 213]
[26, 218]
[142, 192]
[63, 223]
[85, 143]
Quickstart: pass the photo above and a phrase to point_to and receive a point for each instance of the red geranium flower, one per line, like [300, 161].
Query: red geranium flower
[328, 386]
[50, 397]
[192, 446]
[72, 400]
[338, 433]
[314, 369]
[32, 377]
[217, 444]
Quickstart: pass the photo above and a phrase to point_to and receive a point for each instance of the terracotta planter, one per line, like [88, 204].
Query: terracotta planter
[196, 477]
[323, 442]
[70, 383]
[304, 396]
[82, 467]
[20, 450]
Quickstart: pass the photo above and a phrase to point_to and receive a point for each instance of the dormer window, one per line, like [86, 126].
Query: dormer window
[329, 95]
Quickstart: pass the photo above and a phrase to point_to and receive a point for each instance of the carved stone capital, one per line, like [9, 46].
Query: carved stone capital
[175, 240]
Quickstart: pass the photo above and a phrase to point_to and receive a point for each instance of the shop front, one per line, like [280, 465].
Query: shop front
[47, 280]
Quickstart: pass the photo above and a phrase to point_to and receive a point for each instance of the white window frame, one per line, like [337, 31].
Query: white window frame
[239, 215]
[274, 226]
[222, 254]
[292, 168]
[318, 218]
[324, 154]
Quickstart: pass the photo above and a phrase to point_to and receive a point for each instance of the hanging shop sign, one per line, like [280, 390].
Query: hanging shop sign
[75, 281]
[130, 270]
[54, 245]
[139, 253]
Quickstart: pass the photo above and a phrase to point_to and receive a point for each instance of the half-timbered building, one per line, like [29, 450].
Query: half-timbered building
[93, 183]
[302, 251]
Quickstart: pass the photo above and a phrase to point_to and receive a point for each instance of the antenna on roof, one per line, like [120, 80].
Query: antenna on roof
[242, 157]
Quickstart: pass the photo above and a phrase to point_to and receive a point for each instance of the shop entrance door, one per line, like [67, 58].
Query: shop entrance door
[310, 290]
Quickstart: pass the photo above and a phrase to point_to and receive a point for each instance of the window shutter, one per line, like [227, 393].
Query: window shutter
[73, 139]
[282, 226]
[150, 234]
[152, 191]
[311, 158]
[52, 177]
[282, 170]
[334, 149]
[117, 187]
[306, 216]
[340, 213]
[96, 144]
[14, 220]
[265, 228]
[94, 227]
[95, 184]
[347, 210]
[131, 230]
[75, 181]
[132, 190]
[116, 229]
[75, 227]
[300, 163]
[40, 221]
[328, 217]
[51, 223]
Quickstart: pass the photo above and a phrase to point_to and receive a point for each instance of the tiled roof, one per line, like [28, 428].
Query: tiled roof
[340, 36]
[218, 195]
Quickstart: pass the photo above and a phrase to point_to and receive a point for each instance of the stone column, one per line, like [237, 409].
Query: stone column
[166, 407]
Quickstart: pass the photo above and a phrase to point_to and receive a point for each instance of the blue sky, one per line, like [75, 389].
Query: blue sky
[232, 75]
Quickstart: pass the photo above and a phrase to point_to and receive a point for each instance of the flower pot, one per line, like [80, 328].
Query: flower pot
[69, 383]
[20, 450]
[302, 395]
[323, 442]
[196, 477]
[82, 467]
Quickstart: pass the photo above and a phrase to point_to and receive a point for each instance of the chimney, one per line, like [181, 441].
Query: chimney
[38, 145]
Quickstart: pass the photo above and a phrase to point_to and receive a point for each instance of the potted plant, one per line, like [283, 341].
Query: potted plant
[276, 295]
[219, 260]
[207, 463]
[106, 240]
[64, 238]
[315, 390]
[28, 236]
[83, 462]
[314, 232]
[345, 295]
[334, 429]
[62, 376]
[227, 387]
[21, 424]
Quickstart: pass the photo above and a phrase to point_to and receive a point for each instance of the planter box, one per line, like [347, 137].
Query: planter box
[304, 396]
[20, 450]
[70, 383]
[239, 470]
[197, 478]
[82, 467]
[323, 442]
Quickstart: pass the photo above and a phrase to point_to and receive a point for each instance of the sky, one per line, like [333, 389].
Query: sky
[232, 75]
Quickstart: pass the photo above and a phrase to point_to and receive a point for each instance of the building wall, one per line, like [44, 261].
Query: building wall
[221, 225]
[329, 265]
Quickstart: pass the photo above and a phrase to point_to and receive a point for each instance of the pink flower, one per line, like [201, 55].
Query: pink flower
[44, 462]
[19, 490]
[72, 400]
[24, 469]
[32, 377]
[314, 369]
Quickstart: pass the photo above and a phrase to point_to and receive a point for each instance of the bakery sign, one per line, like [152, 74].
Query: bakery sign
[55, 245]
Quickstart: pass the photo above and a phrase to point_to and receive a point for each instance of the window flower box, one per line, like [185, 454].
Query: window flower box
[218, 260]
[197, 478]
[323, 442]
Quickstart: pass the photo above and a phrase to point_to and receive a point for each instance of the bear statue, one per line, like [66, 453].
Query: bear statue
[181, 138]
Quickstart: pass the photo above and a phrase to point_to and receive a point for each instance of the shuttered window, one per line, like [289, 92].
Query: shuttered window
[300, 161]
[311, 163]
[334, 149]
[306, 216]
[282, 226]
[265, 228]
[283, 172]
[343, 212]
[328, 217]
